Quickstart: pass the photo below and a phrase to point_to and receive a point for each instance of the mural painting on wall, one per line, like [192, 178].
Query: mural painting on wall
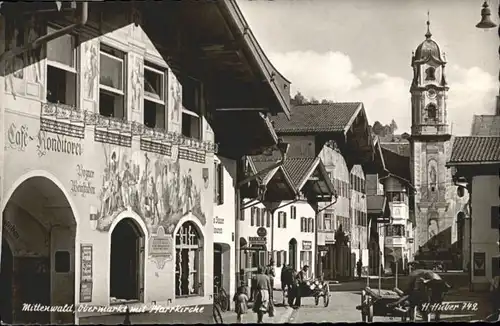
[14, 36]
[148, 184]
[176, 89]
[34, 56]
[137, 79]
[91, 69]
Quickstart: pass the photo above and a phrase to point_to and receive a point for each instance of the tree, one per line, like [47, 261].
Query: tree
[313, 101]
[378, 129]
[393, 126]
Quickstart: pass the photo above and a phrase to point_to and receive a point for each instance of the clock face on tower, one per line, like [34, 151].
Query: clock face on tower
[431, 93]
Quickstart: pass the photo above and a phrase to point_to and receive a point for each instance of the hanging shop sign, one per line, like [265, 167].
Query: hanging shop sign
[262, 241]
[86, 281]
[262, 232]
[306, 245]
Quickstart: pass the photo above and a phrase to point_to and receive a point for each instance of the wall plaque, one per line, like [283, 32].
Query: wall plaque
[307, 245]
[479, 264]
[86, 282]
[161, 247]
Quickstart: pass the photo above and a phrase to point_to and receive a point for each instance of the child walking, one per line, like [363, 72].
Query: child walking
[241, 303]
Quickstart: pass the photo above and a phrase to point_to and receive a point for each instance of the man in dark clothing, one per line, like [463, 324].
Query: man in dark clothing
[299, 281]
[287, 284]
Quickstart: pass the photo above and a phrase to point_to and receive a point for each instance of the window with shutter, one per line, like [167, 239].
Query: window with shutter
[278, 259]
[257, 217]
[301, 224]
[495, 217]
[268, 219]
[263, 217]
[284, 220]
[293, 212]
[242, 215]
[279, 219]
[252, 216]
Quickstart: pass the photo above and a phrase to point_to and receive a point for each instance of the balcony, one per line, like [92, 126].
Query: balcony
[399, 210]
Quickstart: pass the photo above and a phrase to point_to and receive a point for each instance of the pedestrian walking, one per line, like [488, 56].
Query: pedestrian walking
[241, 303]
[262, 286]
[359, 266]
[287, 283]
[300, 279]
[271, 273]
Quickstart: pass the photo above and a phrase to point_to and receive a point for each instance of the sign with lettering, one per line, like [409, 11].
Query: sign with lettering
[261, 232]
[83, 183]
[257, 240]
[18, 138]
[58, 143]
[86, 281]
[479, 264]
[218, 221]
[306, 245]
[161, 247]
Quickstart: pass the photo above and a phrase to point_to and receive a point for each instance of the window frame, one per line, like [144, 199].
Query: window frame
[59, 65]
[198, 252]
[148, 66]
[110, 89]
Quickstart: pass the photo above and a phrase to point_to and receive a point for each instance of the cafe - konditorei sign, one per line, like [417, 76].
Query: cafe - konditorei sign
[58, 143]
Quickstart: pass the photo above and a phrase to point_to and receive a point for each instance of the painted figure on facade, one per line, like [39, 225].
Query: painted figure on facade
[91, 70]
[137, 79]
[177, 98]
[34, 55]
[159, 193]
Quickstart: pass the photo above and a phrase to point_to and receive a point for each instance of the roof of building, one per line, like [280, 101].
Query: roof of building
[476, 149]
[397, 165]
[486, 125]
[398, 144]
[428, 49]
[309, 118]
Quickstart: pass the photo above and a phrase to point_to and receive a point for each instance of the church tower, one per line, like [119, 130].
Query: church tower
[435, 198]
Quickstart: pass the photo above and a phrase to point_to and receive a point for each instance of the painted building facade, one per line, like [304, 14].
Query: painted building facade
[475, 167]
[107, 171]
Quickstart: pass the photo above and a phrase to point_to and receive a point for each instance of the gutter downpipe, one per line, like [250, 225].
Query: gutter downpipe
[49, 37]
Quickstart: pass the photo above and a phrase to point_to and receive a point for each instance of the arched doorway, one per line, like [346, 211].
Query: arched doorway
[127, 261]
[40, 228]
[292, 253]
[6, 283]
[188, 260]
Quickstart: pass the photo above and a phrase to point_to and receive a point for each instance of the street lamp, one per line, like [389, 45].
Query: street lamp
[485, 22]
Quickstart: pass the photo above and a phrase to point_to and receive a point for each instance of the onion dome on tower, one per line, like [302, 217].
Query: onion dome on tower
[428, 50]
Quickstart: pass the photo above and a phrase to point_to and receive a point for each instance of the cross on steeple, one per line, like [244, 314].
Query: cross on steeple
[428, 34]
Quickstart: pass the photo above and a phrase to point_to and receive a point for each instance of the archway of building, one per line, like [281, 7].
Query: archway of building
[292, 253]
[38, 253]
[127, 262]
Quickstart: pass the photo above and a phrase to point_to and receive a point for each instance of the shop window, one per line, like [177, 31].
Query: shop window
[154, 99]
[127, 261]
[293, 212]
[111, 83]
[495, 217]
[268, 219]
[61, 69]
[219, 183]
[62, 262]
[188, 250]
[192, 101]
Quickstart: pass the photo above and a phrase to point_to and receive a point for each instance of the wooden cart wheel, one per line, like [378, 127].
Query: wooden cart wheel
[370, 309]
[326, 297]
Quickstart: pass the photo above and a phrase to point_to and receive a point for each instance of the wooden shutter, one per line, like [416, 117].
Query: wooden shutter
[263, 217]
[257, 216]
[268, 219]
[284, 220]
[252, 216]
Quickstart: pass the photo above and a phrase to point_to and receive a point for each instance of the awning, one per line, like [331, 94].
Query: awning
[377, 207]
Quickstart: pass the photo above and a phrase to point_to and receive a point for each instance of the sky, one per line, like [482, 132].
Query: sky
[360, 51]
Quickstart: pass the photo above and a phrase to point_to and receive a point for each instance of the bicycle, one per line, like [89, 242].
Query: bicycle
[217, 315]
[220, 295]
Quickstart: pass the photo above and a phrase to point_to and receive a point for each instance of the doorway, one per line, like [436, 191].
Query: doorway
[6, 283]
[126, 261]
[292, 251]
[217, 264]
